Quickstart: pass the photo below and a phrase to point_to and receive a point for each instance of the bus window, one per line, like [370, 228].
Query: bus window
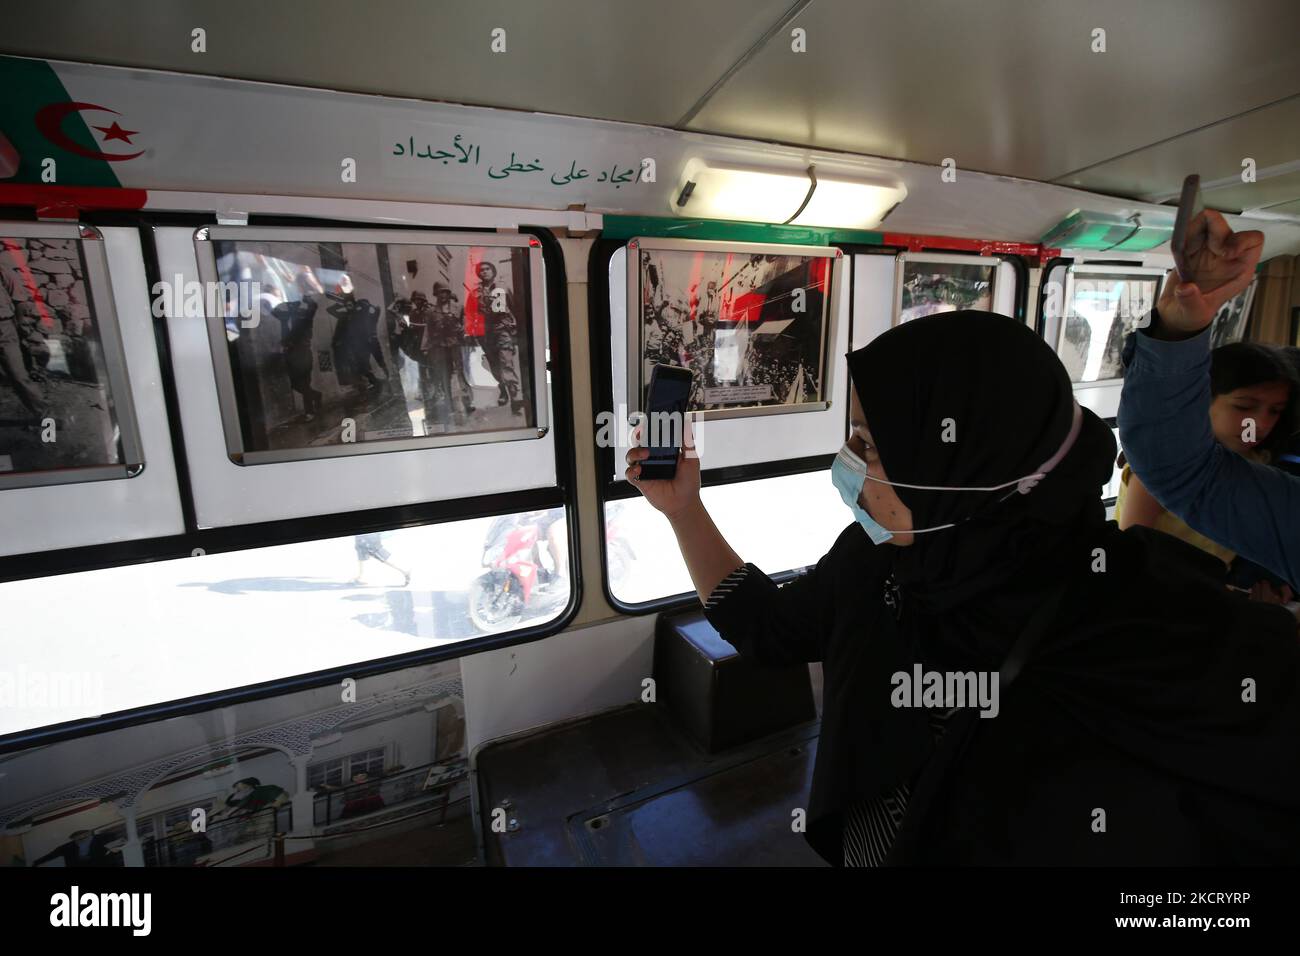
[121, 638]
[645, 565]
[1103, 305]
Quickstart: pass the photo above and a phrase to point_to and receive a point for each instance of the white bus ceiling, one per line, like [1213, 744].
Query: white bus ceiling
[1005, 87]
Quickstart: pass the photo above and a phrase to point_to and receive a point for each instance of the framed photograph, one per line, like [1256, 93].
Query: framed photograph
[344, 342]
[1102, 306]
[751, 321]
[66, 413]
[929, 283]
[1233, 317]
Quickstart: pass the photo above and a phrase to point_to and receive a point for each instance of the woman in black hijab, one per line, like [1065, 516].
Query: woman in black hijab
[1154, 717]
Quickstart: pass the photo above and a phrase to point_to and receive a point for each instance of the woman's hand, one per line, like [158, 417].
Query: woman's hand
[1265, 592]
[672, 497]
[1225, 266]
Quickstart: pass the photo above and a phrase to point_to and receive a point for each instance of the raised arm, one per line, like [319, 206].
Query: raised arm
[1164, 418]
[708, 557]
[777, 625]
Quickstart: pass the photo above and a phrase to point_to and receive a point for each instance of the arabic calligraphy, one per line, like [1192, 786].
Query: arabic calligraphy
[408, 149]
[467, 154]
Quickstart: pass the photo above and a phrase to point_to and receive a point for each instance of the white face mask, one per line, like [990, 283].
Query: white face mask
[848, 467]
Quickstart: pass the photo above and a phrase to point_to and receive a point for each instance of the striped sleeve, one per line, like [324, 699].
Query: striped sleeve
[726, 586]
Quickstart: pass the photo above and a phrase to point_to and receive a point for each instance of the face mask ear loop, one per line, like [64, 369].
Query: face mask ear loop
[1027, 484]
[1021, 485]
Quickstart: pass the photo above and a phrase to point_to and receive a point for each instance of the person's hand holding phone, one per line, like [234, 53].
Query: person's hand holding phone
[671, 497]
[1220, 264]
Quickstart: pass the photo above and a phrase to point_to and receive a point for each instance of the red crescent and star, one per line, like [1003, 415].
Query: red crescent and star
[49, 120]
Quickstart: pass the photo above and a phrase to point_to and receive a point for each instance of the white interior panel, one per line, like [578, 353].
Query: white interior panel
[578, 672]
[228, 494]
[100, 512]
[873, 296]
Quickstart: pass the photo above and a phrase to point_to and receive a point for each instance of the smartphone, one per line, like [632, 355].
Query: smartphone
[1190, 230]
[665, 423]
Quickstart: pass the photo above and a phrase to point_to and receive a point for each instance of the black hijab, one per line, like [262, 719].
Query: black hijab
[995, 387]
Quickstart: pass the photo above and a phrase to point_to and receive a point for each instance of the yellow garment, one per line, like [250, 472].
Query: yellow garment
[1171, 524]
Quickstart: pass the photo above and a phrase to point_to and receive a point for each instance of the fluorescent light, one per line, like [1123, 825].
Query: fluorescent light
[755, 195]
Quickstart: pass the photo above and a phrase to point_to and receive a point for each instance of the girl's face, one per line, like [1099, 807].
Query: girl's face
[1263, 403]
[880, 501]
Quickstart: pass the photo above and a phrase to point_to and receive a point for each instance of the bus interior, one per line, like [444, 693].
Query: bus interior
[329, 323]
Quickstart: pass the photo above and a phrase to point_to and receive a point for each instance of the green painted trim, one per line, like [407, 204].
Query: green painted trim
[721, 230]
[30, 85]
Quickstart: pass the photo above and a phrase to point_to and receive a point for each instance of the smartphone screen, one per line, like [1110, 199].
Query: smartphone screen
[1188, 241]
[665, 424]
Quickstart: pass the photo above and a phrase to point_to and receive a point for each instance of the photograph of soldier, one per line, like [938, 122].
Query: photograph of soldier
[751, 327]
[297, 322]
[444, 337]
[930, 287]
[474, 346]
[362, 342]
[56, 406]
[496, 304]
[318, 364]
[356, 337]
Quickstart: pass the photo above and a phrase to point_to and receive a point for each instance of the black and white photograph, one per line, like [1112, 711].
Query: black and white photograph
[360, 342]
[1100, 313]
[750, 326]
[1232, 318]
[930, 287]
[57, 410]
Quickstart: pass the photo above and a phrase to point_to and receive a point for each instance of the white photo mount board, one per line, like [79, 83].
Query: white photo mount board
[53, 517]
[227, 494]
[763, 438]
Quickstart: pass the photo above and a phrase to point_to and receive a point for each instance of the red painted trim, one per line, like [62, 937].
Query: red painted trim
[66, 202]
[983, 247]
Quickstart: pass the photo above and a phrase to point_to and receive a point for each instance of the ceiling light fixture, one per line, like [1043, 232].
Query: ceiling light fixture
[720, 191]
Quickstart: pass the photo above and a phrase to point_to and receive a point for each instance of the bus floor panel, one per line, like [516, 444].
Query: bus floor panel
[627, 788]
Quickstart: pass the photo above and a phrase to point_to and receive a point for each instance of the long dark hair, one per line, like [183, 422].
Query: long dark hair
[1243, 364]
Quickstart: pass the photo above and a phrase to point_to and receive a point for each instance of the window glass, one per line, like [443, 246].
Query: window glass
[776, 523]
[103, 641]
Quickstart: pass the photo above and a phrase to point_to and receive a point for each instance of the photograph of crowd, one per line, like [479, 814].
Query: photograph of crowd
[750, 326]
[366, 342]
[930, 287]
[56, 400]
[1230, 323]
[1102, 310]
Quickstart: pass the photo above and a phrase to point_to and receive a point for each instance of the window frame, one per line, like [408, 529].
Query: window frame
[600, 322]
[22, 567]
